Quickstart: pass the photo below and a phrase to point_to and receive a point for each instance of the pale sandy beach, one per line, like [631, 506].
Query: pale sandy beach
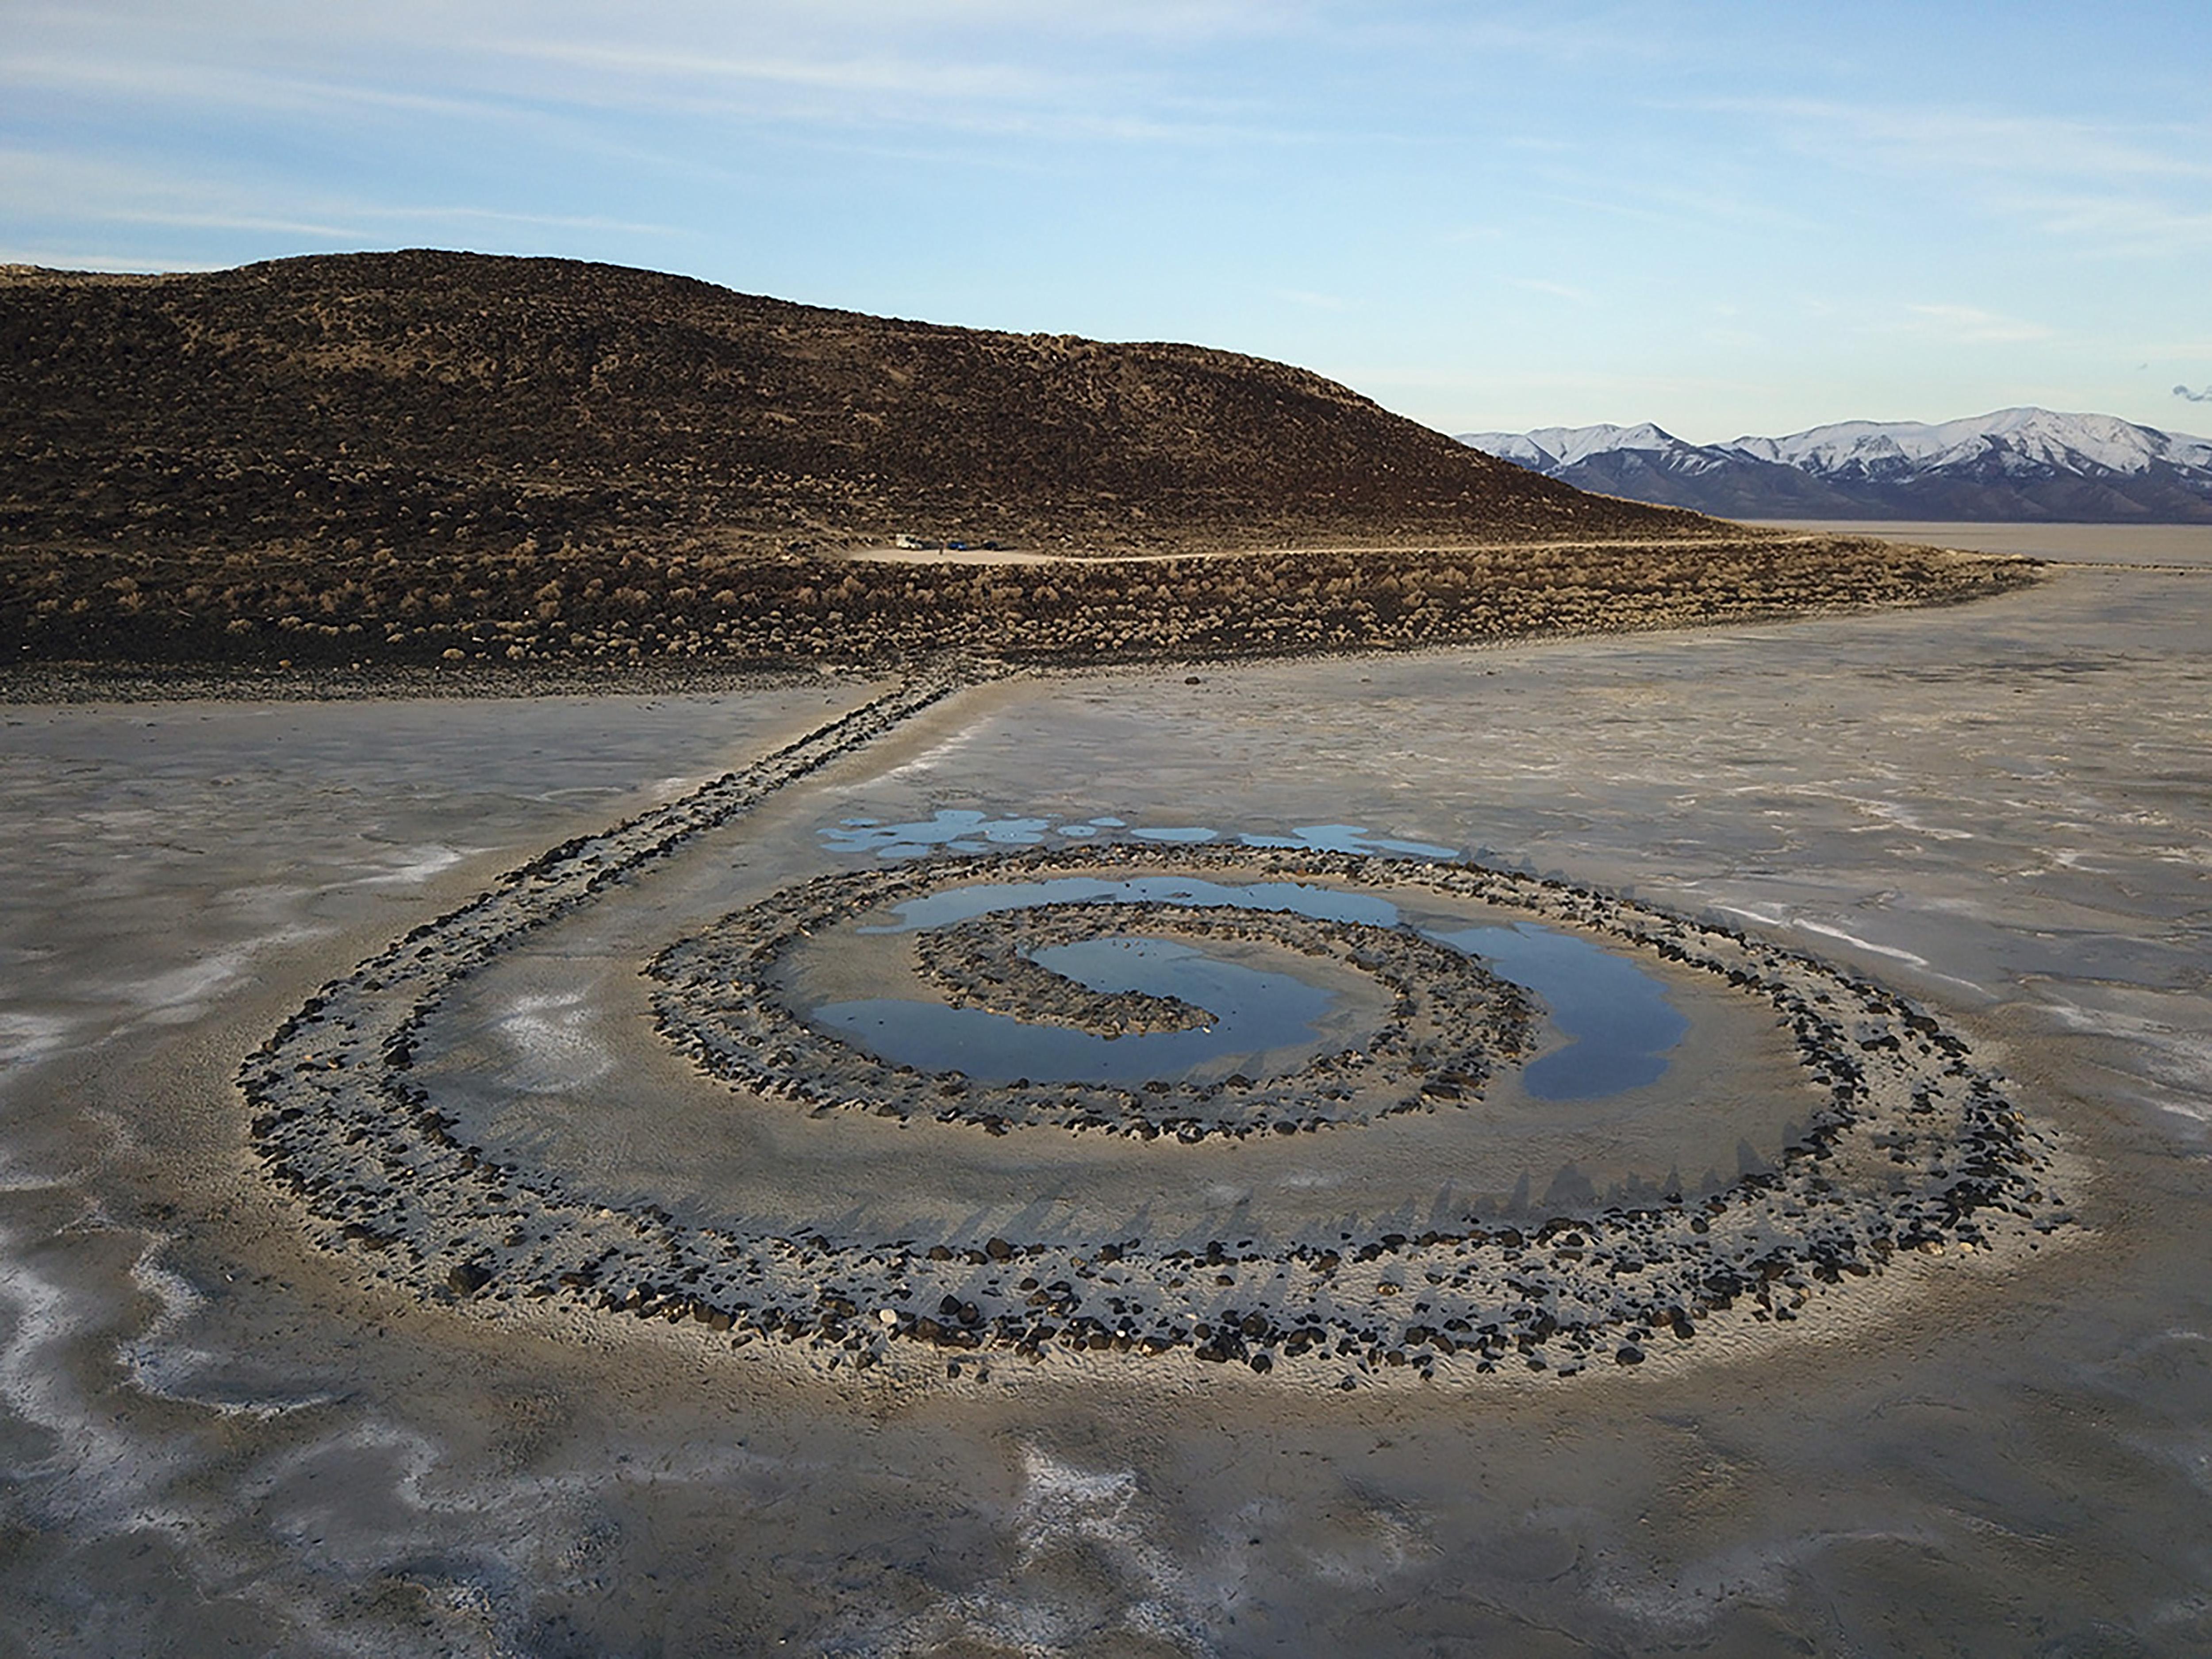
[224, 1436]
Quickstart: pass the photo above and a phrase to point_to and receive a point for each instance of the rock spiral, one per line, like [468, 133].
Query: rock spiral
[1917, 1146]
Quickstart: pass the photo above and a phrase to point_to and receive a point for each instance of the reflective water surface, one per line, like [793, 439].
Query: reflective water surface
[1617, 1021]
[1616, 1018]
[1256, 1013]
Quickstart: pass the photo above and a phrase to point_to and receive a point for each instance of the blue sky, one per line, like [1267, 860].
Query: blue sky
[1727, 218]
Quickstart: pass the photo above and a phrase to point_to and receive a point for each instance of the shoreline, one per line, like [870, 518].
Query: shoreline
[121, 680]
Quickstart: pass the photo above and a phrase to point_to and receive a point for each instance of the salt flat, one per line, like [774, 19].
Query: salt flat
[2189, 545]
[220, 1436]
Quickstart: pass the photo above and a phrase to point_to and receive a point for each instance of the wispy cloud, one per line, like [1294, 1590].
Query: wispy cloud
[475, 215]
[870, 76]
[924, 64]
[1668, 204]
[1972, 325]
[2203, 397]
[139, 97]
[2109, 186]
[36, 186]
[2124, 225]
[919, 84]
[1928, 139]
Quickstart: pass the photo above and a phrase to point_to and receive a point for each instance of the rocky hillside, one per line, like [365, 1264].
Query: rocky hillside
[447, 460]
[425, 399]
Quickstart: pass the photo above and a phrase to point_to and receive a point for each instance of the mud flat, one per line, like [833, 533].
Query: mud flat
[1978, 833]
[2180, 546]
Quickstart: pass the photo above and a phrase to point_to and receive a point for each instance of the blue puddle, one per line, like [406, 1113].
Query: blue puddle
[947, 831]
[1616, 1018]
[954, 831]
[1619, 1023]
[1254, 1012]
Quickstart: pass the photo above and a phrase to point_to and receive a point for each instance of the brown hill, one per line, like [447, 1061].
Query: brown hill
[441, 458]
[418, 398]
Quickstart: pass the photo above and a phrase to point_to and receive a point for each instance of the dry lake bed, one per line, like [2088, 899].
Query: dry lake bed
[278, 1378]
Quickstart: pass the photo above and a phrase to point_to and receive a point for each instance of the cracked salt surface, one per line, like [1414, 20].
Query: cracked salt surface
[1998, 1455]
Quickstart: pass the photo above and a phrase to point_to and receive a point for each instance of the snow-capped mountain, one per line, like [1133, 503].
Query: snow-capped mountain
[2017, 464]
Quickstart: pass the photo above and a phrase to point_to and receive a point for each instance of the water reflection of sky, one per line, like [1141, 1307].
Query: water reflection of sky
[1254, 1012]
[963, 830]
[1618, 1024]
[1616, 1018]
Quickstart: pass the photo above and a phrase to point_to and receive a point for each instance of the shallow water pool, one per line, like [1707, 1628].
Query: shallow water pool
[1616, 1020]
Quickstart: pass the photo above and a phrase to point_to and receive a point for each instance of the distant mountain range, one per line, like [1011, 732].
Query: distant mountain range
[2017, 465]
